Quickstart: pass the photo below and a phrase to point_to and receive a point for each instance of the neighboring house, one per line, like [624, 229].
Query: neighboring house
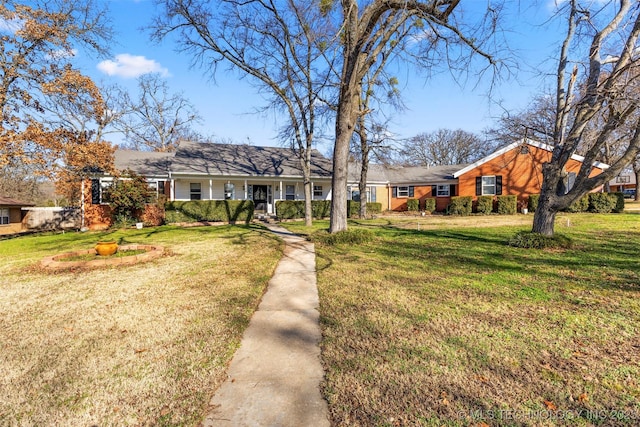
[265, 175]
[377, 184]
[624, 181]
[512, 170]
[11, 215]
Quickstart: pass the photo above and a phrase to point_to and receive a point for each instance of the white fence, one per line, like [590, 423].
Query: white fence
[52, 218]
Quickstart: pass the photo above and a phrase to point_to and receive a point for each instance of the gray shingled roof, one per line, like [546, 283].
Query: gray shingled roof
[421, 174]
[244, 160]
[196, 158]
[376, 173]
[147, 163]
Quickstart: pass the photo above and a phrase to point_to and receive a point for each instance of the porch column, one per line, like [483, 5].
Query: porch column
[246, 189]
[172, 190]
[281, 198]
[210, 189]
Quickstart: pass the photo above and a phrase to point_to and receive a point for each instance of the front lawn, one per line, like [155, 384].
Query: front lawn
[140, 345]
[444, 324]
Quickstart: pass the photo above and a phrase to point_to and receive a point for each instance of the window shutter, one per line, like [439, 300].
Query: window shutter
[452, 190]
[498, 185]
[95, 191]
[434, 190]
[411, 192]
[571, 181]
[478, 186]
[395, 192]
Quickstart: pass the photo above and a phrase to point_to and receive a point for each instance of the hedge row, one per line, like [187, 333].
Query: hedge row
[292, 209]
[209, 210]
[592, 202]
[506, 205]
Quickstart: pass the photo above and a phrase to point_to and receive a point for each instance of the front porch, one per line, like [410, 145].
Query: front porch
[263, 193]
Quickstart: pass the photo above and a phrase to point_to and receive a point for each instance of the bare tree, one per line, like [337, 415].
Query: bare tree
[156, 119]
[444, 147]
[608, 95]
[280, 45]
[536, 121]
[379, 92]
[431, 28]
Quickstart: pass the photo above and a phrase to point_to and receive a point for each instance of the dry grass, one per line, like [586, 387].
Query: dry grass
[450, 326]
[139, 345]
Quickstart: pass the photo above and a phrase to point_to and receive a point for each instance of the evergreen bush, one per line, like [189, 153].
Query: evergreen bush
[507, 205]
[413, 205]
[484, 205]
[619, 208]
[460, 205]
[533, 202]
[602, 202]
[430, 205]
[580, 205]
[209, 210]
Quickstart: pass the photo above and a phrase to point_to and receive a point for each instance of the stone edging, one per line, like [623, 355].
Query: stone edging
[54, 263]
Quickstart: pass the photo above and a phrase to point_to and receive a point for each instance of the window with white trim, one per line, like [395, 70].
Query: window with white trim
[317, 191]
[290, 192]
[371, 194]
[4, 216]
[443, 191]
[488, 185]
[195, 191]
[403, 191]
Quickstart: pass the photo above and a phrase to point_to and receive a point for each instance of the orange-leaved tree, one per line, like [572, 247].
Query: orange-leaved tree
[37, 45]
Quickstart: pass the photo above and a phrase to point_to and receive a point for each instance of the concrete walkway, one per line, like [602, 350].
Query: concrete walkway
[274, 377]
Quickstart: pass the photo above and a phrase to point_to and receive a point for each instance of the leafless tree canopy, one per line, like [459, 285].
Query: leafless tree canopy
[283, 47]
[430, 33]
[601, 52]
[156, 120]
[444, 147]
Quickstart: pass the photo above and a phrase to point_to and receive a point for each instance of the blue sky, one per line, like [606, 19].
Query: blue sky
[228, 104]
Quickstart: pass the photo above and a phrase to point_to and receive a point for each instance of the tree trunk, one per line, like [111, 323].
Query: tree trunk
[338, 218]
[362, 185]
[544, 217]
[636, 171]
[308, 207]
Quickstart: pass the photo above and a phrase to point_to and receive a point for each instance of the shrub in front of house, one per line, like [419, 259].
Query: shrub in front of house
[294, 209]
[290, 209]
[580, 205]
[602, 202]
[128, 198]
[484, 205]
[619, 208]
[209, 210]
[430, 205]
[353, 208]
[507, 205]
[413, 205]
[532, 203]
[460, 205]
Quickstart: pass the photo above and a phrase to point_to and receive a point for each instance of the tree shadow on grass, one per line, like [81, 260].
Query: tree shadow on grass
[486, 253]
